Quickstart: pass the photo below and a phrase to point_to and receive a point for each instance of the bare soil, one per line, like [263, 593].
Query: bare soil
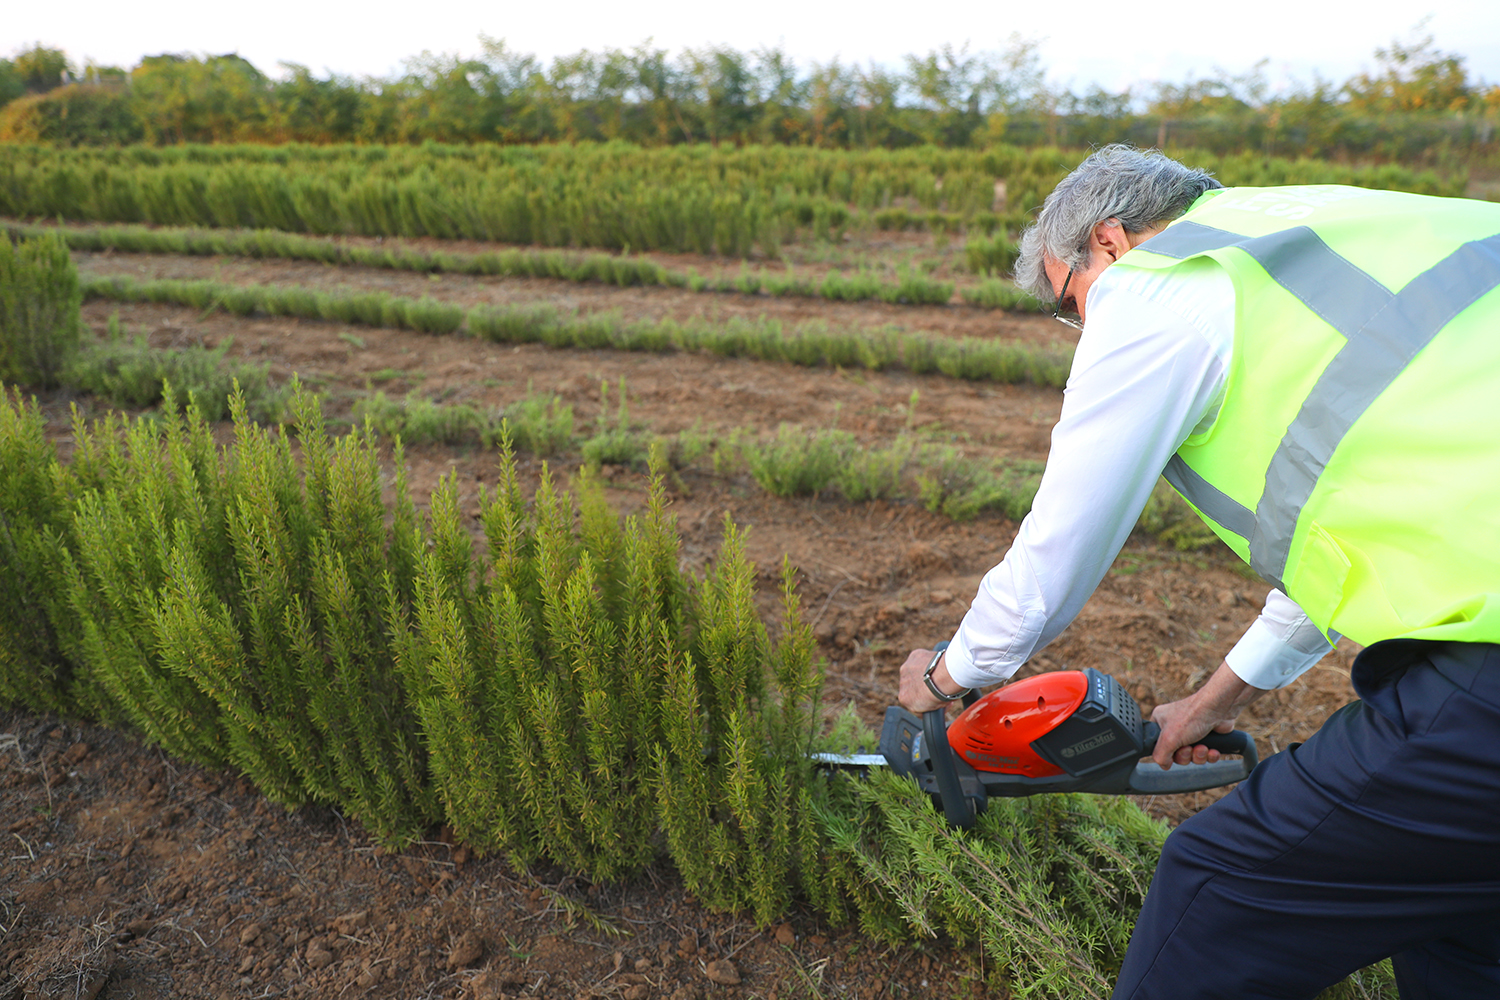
[128, 874]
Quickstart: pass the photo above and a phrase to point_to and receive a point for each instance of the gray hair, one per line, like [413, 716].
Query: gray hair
[1141, 188]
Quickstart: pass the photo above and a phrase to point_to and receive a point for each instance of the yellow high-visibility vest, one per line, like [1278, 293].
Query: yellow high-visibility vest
[1355, 461]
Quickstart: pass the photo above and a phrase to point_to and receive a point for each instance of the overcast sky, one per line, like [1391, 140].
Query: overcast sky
[1083, 42]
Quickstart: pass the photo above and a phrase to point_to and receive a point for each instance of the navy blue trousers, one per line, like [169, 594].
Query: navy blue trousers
[1378, 837]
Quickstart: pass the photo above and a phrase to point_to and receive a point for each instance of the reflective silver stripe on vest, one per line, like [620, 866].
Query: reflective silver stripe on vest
[1384, 331]
[1298, 260]
[1222, 508]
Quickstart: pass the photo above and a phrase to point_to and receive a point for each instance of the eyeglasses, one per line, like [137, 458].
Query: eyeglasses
[1061, 296]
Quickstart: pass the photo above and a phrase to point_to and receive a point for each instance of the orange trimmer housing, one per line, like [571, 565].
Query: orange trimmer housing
[997, 731]
[1064, 731]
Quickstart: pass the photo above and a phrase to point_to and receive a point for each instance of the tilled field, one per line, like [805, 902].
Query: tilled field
[131, 875]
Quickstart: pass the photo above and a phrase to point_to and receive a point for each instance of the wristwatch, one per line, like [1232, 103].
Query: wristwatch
[931, 686]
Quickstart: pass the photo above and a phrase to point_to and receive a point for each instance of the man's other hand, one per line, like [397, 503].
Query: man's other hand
[1212, 708]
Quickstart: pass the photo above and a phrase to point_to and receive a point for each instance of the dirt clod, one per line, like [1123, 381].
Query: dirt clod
[926, 556]
[351, 922]
[486, 986]
[317, 956]
[723, 972]
[467, 950]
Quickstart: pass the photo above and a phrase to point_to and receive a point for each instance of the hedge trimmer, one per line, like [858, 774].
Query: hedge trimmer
[1063, 731]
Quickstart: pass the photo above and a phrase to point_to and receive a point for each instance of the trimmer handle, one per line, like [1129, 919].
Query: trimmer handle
[1150, 779]
[1237, 742]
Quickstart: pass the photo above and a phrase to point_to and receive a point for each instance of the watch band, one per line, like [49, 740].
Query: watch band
[931, 686]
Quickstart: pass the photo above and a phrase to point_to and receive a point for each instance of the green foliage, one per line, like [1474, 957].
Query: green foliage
[732, 791]
[417, 420]
[997, 293]
[39, 310]
[1048, 887]
[1377, 982]
[764, 339]
[615, 440]
[75, 115]
[133, 374]
[622, 271]
[917, 289]
[40, 69]
[34, 535]
[557, 691]
[124, 548]
[875, 473]
[1421, 104]
[991, 255]
[960, 487]
[797, 462]
[229, 607]
[542, 425]
[703, 199]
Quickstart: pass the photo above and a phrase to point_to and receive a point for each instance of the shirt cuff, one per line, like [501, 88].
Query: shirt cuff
[959, 659]
[1280, 646]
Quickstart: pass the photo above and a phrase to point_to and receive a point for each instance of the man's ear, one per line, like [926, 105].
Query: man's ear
[1109, 236]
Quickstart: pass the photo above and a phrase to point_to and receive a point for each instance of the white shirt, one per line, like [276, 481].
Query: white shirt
[1149, 371]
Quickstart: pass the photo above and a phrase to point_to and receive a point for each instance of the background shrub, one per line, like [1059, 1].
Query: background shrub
[39, 310]
[131, 373]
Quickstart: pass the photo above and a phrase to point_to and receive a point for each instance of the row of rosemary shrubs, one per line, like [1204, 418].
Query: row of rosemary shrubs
[809, 344]
[984, 255]
[794, 461]
[556, 689]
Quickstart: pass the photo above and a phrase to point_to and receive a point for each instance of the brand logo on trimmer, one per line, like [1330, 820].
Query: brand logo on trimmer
[988, 758]
[1092, 743]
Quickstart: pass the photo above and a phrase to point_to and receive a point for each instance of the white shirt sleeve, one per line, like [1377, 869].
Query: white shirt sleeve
[1279, 646]
[1149, 369]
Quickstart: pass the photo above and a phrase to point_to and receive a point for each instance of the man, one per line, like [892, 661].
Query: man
[1317, 369]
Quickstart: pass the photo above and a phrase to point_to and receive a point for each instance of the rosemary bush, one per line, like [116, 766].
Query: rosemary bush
[417, 420]
[542, 425]
[991, 254]
[228, 603]
[39, 310]
[997, 293]
[35, 535]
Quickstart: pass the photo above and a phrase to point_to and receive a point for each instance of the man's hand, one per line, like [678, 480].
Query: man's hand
[915, 697]
[1212, 708]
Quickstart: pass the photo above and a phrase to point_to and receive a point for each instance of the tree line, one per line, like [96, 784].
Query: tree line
[1418, 104]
